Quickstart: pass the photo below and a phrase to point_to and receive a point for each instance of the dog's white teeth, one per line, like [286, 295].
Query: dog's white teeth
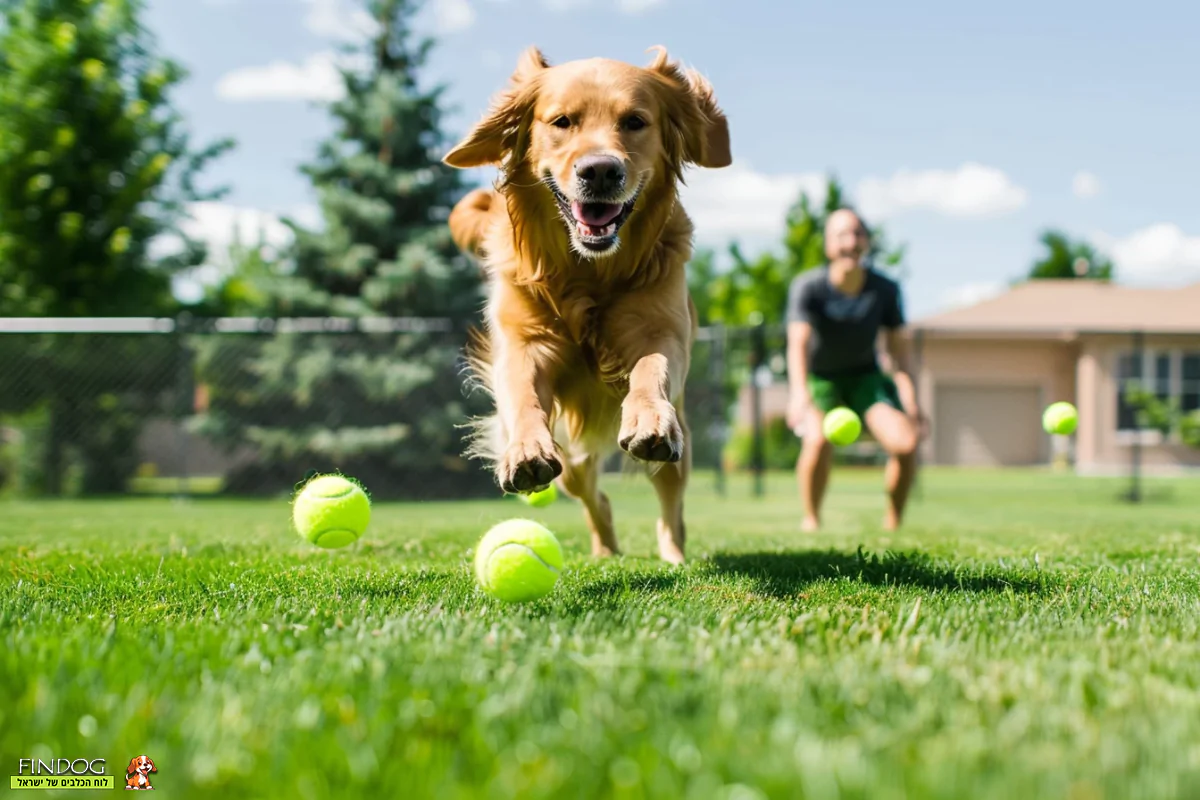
[609, 229]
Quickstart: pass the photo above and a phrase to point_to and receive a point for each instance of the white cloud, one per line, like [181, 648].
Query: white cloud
[630, 7]
[972, 190]
[452, 15]
[637, 6]
[738, 201]
[971, 293]
[1085, 184]
[340, 20]
[219, 226]
[1160, 252]
[316, 79]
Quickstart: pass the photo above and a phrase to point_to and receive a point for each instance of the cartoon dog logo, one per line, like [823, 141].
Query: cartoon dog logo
[137, 774]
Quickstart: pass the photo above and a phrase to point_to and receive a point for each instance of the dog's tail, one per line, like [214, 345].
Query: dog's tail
[468, 220]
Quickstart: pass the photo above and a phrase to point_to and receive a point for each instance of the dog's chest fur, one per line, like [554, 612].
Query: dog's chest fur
[575, 315]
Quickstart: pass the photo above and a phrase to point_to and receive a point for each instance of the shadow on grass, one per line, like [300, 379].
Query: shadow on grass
[612, 588]
[784, 574]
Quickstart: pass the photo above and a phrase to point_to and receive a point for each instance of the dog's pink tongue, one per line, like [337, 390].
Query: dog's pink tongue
[597, 215]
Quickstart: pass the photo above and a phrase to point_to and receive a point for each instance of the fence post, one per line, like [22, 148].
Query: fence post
[917, 366]
[184, 396]
[758, 357]
[717, 377]
[1135, 452]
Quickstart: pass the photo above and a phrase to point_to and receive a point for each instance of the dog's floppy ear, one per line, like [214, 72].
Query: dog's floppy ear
[132, 768]
[496, 135]
[699, 121]
[150, 761]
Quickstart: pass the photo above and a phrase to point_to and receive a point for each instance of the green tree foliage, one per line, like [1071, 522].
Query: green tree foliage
[756, 289]
[94, 161]
[1165, 416]
[1065, 258]
[94, 165]
[382, 407]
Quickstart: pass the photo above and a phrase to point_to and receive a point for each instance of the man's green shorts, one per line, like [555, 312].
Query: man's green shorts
[857, 391]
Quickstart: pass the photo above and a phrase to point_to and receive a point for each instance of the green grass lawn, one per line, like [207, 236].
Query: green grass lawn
[1026, 635]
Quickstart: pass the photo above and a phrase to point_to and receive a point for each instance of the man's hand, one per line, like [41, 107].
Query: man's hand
[797, 408]
[922, 423]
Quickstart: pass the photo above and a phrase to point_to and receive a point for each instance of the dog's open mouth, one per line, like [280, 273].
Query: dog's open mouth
[594, 225]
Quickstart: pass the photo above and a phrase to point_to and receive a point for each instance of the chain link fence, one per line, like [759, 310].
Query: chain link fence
[249, 406]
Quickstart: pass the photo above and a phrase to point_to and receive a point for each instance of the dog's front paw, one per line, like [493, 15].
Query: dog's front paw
[650, 429]
[528, 466]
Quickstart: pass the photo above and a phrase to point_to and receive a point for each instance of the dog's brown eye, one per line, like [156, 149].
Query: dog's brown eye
[562, 122]
[634, 123]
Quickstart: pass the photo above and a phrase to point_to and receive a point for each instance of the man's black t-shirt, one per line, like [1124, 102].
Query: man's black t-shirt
[844, 328]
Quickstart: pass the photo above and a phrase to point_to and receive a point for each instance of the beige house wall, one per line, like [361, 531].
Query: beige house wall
[1048, 366]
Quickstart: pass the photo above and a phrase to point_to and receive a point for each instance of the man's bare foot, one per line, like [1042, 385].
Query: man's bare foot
[891, 522]
[810, 525]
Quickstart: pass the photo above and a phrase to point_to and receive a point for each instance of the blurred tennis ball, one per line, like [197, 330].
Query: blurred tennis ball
[540, 499]
[1060, 419]
[842, 426]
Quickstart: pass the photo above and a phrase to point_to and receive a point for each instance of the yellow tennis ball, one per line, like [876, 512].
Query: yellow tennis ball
[331, 511]
[1060, 419]
[540, 499]
[518, 560]
[842, 426]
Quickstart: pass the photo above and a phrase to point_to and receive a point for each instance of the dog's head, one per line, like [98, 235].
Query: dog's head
[140, 765]
[599, 135]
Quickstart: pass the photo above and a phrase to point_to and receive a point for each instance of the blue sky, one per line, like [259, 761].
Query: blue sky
[963, 128]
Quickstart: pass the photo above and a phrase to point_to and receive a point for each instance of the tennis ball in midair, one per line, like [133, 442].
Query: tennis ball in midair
[541, 499]
[518, 560]
[1060, 419]
[331, 511]
[842, 426]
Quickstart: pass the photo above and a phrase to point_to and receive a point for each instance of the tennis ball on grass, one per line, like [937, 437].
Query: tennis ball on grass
[331, 511]
[842, 426]
[1060, 419]
[540, 499]
[518, 560]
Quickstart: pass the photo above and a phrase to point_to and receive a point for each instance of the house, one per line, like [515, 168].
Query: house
[986, 372]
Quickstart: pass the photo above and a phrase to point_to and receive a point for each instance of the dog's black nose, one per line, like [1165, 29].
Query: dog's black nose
[600, 175]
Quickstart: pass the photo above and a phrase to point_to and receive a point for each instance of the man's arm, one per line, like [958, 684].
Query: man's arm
[901, 366]
[799, 332]
[897, 350]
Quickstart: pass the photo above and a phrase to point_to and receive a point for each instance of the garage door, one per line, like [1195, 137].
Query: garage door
[988, 426]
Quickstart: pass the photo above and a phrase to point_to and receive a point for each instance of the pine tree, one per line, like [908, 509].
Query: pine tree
[382, 407]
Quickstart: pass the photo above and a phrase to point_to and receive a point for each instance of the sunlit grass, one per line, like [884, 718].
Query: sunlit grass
[1026, 635]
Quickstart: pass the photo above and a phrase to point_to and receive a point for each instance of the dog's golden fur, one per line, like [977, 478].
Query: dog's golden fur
[587, 351]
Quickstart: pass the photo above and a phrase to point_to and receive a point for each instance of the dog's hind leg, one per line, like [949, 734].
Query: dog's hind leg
[670, 483]
[580, 479]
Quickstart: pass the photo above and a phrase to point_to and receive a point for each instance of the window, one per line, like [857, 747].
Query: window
[1129, 371]
[1172, 375]
[1189, 389]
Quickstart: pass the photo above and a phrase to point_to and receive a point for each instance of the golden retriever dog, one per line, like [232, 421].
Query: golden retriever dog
[589, 325]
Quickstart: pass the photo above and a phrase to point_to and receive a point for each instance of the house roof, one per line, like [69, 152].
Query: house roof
[1066, 307]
